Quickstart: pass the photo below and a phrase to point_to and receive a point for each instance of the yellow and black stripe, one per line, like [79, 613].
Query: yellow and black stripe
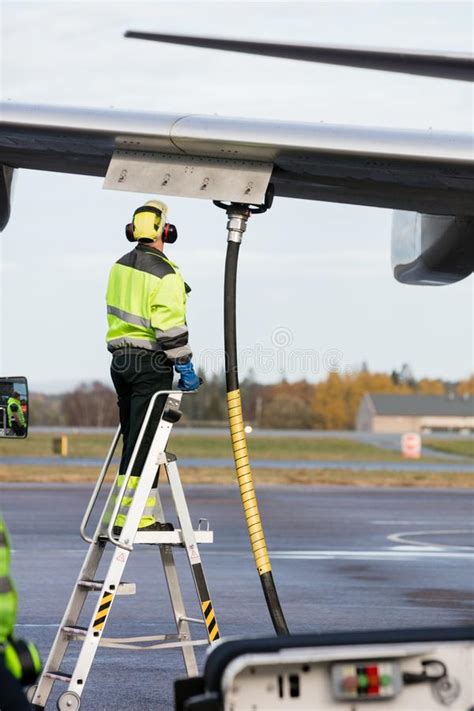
[210, 619]
[103, 611]
[206, 604]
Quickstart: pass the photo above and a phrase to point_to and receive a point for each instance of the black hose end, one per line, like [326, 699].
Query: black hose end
[273, 604]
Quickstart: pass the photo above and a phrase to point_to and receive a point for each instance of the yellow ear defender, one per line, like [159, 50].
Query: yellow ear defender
[149, 223]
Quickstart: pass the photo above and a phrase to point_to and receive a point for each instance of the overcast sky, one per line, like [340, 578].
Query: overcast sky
[314, 278]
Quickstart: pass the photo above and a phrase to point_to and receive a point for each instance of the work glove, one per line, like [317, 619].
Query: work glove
[188, 379]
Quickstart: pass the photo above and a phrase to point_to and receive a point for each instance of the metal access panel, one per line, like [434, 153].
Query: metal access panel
[321, 679]
[189, 176]
[421, 669]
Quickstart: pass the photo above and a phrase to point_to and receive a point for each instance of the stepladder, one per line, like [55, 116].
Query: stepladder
[81, 631]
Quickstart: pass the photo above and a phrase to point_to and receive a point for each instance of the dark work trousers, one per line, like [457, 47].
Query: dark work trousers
[19, 430]
[137, 374]
[12, 697]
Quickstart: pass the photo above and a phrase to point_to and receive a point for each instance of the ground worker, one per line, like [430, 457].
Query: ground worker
[15, 415]
[147, 336]
[19, 661]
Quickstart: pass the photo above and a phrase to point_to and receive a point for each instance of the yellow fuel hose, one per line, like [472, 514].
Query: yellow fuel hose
[239, 445]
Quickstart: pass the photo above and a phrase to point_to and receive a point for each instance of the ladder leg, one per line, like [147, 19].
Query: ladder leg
[192, 549]
[70, 618]
[99, 618]
[179, 611]
[174, 589]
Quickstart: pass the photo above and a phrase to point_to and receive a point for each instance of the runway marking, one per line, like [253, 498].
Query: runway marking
[401, 537]
[397, 522]
[410, 548]
[417, 553]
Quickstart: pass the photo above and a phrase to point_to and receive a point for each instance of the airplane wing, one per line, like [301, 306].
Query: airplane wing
[422, 171]
[419, 173]
[452, 65]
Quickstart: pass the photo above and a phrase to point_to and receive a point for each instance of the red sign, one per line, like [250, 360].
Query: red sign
[411, 445]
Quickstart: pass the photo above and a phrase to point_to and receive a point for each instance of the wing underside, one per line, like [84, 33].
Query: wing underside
[410, 170]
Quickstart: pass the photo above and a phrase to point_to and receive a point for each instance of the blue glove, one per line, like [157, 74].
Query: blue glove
[188, 380]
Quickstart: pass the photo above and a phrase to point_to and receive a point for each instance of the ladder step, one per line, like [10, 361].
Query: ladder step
[58, 676]
[74, 632]
[173, 538]
[97, 585]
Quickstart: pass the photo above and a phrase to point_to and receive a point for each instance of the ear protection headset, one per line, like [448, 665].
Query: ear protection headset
[149, 223]
[22, 660]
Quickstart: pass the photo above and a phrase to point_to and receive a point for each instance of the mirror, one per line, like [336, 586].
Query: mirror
[13, 407]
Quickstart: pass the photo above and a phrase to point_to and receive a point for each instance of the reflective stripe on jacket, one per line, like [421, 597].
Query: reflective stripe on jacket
[8, 597]
[146, 304]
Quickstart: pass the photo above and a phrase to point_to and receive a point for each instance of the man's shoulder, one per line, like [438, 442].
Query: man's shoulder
[146, 261]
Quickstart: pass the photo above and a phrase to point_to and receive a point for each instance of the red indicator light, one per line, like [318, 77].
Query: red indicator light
[373, 679]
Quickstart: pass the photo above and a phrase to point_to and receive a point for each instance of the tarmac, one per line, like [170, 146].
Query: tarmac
[343, 559]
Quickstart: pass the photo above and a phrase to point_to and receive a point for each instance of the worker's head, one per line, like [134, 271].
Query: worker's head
[16, 394]
[149, 225]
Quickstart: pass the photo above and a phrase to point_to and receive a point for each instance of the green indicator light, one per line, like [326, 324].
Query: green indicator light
[362, 680]
[385, 680]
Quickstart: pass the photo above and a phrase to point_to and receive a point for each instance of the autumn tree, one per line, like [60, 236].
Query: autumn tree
[90, 405]
[426, 386]
[466, 387]
[330, 404]
[45, 410]
[286, 411]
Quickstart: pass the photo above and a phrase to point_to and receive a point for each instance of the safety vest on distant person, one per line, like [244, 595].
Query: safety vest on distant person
[14, 412]
[8, 596]
[146, 304]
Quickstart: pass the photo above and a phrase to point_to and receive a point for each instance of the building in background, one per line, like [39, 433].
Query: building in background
[381, 412]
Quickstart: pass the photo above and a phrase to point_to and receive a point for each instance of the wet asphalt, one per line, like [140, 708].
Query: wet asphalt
[343, 559]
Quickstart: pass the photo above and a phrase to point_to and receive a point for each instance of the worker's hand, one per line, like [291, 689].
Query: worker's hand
[188, 379]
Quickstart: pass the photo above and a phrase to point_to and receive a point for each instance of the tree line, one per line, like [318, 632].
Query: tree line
[329, 404]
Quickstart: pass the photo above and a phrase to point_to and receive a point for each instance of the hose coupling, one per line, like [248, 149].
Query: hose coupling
[236, 225]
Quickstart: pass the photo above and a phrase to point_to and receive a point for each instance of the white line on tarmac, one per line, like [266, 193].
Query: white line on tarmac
[413, 522]
[410, 548]
[384, 554]
[401, 537]
[396, 553]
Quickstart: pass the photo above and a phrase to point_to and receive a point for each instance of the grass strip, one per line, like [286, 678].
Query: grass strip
[461, 447]
[284, 447]
[195, 475]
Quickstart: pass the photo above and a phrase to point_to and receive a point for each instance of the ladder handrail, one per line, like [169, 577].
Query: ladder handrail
[98, 487]
[131, 464]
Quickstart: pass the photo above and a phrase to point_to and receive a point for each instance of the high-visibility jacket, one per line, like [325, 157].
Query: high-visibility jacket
[14, 412]
[146, 304]
[8, 597]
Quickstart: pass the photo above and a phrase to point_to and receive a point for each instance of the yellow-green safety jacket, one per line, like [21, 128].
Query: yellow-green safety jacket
[14, 411]
[146, 304]
[8, 597]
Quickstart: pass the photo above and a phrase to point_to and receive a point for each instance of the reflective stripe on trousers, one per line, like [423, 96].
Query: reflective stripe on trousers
[147, 517]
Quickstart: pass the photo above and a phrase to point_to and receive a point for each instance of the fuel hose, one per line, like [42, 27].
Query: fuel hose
[239, 444]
